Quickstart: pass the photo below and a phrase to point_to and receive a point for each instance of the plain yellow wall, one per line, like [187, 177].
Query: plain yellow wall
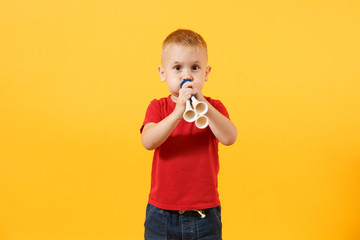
[77, 76]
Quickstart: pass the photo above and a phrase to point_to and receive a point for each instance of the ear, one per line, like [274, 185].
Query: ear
[208, 70]
[161, 71]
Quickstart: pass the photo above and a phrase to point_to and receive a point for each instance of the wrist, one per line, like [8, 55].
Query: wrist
[177, 114]
[200, 97]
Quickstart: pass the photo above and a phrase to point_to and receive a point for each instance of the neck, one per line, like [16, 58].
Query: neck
[174, 98]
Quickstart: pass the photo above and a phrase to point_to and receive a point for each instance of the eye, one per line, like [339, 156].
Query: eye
[195, 67]
[177, 68]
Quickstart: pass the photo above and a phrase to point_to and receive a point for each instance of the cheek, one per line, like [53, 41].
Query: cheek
[173, 85]
[199, 85]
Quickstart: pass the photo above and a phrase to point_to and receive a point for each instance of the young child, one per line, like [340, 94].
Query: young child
[183, 200]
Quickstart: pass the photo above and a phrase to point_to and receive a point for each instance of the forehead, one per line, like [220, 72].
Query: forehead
[181, 53]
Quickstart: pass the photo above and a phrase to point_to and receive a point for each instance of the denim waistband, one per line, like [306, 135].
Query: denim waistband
[200, 212]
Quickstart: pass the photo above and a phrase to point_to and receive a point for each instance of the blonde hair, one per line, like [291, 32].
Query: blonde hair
[184, 37]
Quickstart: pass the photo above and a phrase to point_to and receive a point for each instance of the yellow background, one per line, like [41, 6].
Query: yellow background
[77, 76]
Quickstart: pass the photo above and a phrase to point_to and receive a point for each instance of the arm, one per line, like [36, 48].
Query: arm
[223, 129]
[155, 134]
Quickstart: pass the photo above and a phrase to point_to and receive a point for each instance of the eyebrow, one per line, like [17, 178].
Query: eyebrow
[176, 62]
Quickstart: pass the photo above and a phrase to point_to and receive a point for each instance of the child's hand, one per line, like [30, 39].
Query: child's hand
[198, 94]
[184, 94]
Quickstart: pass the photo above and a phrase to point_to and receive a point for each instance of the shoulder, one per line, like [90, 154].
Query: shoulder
[214, 102]
[162, 106]
[218, 105]
[159, 101]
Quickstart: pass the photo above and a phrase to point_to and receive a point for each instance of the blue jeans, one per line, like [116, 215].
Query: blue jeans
[163, 224]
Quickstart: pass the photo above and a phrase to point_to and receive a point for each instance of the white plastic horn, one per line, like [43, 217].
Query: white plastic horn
[200, 107]
[189, 114]
[196, 114]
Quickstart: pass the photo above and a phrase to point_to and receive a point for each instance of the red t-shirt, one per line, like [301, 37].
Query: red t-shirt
[186, 165]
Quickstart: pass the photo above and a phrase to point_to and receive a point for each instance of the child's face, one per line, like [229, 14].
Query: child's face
[183, 62]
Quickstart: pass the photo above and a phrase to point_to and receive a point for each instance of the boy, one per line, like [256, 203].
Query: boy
[183, 200]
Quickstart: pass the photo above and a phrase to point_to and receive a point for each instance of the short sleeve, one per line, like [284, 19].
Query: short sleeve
[220, 107]
[153, 114]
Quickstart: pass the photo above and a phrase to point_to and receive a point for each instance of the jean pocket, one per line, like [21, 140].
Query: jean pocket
[149, 211]
[216, 211]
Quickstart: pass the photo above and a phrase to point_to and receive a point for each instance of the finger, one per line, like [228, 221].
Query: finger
[190, 91]
[186, 91]
[185, 96]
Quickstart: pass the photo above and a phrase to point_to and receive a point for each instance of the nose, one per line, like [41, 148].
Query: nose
[187, 75]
